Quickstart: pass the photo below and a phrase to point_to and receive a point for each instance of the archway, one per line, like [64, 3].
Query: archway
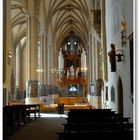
[120, 97]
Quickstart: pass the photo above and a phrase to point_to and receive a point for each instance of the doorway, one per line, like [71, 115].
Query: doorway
[120, 97]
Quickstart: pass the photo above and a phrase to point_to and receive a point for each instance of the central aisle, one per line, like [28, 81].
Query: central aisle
[44, 128]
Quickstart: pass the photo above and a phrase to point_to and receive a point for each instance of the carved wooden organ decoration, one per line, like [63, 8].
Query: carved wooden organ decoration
[72, 58]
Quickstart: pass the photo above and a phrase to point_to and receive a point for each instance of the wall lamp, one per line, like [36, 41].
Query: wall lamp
[119, 54]
[123, 33]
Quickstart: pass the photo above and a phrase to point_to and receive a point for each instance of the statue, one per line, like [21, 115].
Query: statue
[112, 59]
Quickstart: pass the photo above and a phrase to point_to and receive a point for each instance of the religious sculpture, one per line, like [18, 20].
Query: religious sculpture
[112, 58]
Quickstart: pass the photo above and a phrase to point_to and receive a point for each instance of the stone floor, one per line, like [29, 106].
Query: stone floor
[44, 128]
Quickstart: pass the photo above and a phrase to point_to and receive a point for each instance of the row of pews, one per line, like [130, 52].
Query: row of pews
[97, 124]
[16, 116]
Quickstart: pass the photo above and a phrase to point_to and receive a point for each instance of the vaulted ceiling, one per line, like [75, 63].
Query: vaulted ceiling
[67, 16]
[62, 16]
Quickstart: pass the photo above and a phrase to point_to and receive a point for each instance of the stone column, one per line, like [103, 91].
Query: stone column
[18, 65]
[55, 62]
[48, 63]
[92, 59]
[104, 47]
[96, 75]
[32, 45]
[50, 59]
[7, 47]
[45, 58]
[18, 73]
[97, 94]
[103, 40]
[41, 62]
[96, 59]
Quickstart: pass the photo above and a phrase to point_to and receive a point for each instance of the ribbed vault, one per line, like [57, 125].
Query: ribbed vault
[18, 22]
[66, 16]
[63, 16]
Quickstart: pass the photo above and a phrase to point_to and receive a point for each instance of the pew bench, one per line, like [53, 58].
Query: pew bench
[109, 135]
[95, 127]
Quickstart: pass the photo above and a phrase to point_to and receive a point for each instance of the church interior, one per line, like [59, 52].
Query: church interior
[72, 57]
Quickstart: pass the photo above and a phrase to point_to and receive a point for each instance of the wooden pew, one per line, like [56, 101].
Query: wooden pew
[96, 123]
[15, 116]
[109, 135]
[95, 127]
[90, 113]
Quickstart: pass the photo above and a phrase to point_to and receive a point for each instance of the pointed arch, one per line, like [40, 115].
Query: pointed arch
[120, 96]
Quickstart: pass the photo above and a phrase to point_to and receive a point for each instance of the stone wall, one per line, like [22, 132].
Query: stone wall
[117, 11]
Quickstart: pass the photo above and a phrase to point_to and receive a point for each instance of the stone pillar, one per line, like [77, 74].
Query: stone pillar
[7, 47]
[96, 71]
[18, 73]
[23, 71]
[41, 63]
[18, 66]
[88, 77]
[104, 47]
[32, 45]
[55, 62]
[97, 101]
[96, 59]
[103, 40]
[45, 58]
[92, 59]
[48, 63]
[99, 59]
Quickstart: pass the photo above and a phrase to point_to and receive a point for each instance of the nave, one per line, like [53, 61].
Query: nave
[78, 54]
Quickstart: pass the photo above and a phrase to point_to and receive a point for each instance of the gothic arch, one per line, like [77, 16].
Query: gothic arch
[120, 96]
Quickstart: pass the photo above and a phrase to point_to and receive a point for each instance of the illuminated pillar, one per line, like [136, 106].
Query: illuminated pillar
[32, 45]
[103, 40]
